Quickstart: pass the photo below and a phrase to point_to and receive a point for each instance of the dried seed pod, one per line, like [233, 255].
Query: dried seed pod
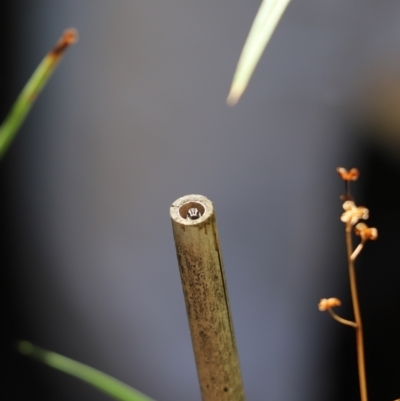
[348, 175]
[366, 233]
[329, 303]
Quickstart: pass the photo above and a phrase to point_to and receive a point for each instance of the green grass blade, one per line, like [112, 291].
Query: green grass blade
[103, 382]
[267, 18]
[32, 89]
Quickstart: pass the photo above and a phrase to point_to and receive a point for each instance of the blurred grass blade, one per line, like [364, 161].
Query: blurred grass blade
[267, 18]
[103, 382]
[33, 87]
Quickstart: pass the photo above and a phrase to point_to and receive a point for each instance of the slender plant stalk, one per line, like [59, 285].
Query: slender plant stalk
[32, 89]
[357, 251]
[341, 320]
[357, 316]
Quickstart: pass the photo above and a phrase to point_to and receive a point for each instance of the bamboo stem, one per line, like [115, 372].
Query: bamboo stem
[206, 297]
[357, 316]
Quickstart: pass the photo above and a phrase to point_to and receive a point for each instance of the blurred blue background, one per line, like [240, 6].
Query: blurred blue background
[134, 118]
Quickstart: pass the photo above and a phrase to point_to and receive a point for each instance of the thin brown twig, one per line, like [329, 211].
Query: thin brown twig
[341, 320]
[357, 315]
[357, 251]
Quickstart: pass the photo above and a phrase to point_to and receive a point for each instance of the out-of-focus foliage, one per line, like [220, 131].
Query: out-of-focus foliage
[267, 18]
[32, 89]
[103, 382]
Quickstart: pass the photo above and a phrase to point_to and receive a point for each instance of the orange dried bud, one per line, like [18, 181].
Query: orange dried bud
[69, 37]
[350, 175]
[365, 232]
[329, 303]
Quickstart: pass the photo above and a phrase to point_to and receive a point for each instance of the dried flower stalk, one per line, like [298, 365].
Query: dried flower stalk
[351, 216]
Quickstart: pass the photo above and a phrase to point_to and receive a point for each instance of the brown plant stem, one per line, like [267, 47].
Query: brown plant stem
[357, 315]
[341, 320]
[357, 251]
